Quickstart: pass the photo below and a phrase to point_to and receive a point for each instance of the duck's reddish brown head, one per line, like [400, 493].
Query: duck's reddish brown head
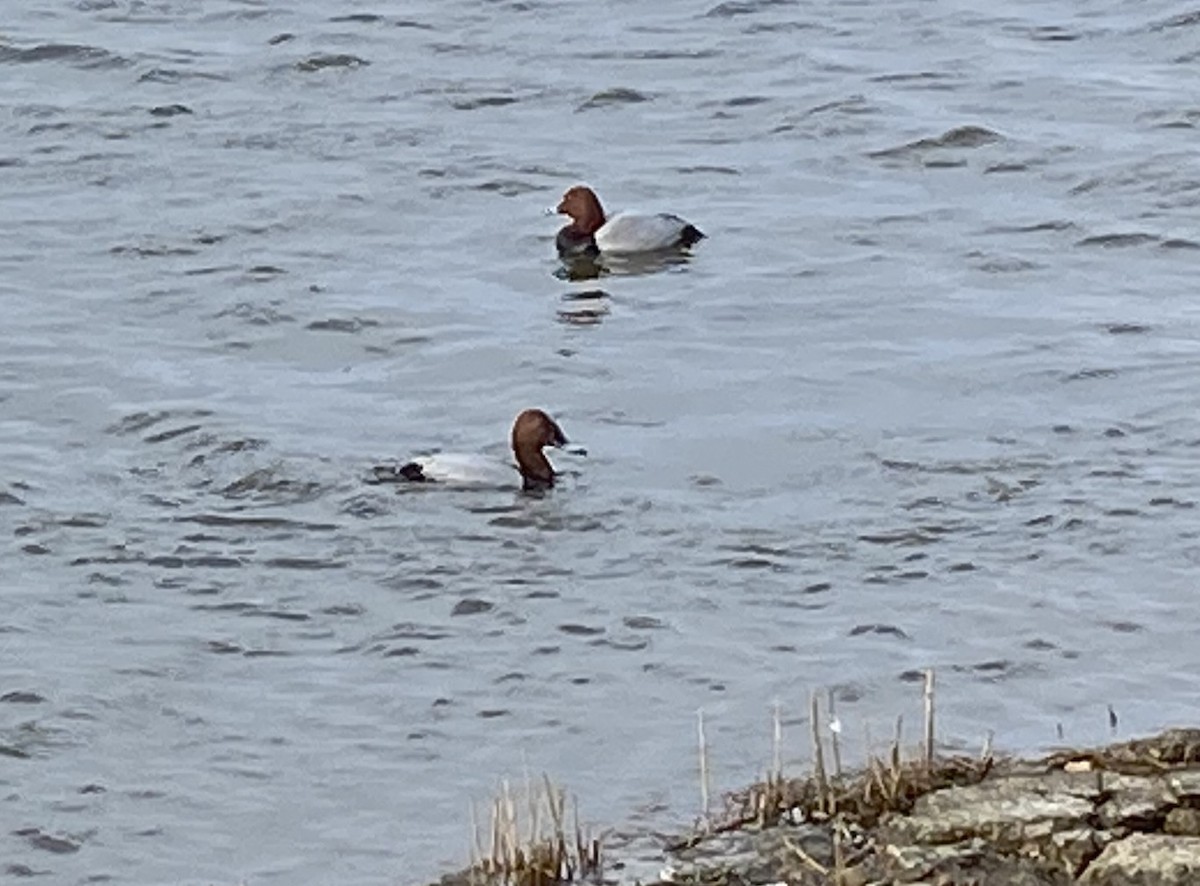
[583, 207]
[531, 432]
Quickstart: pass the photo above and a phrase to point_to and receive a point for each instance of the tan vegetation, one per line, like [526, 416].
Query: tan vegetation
[531, 843]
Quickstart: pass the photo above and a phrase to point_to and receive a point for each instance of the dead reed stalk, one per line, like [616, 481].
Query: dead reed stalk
[703, 751]
[539, 851]
[835, 730]
[819, 754]
[776, 740]
[929, 718]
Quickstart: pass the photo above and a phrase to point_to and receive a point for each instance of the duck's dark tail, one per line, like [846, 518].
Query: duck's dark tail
[412, 472]
[409, 473]
[690, 235]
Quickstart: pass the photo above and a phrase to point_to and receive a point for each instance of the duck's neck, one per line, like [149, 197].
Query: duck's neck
[536, 471]
[590, 218]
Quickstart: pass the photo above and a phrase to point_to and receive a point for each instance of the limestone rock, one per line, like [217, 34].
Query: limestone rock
[1146, 860]
[1009, 812]
[1183, 821]
[1186, 784]
[1132, 801]
[1073, 850]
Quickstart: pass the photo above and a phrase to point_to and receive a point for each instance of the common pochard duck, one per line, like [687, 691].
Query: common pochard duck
[592, 233]
[532, 430]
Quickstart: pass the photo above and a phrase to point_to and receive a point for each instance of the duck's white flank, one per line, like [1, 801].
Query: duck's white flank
[630, 232]
[466, 468]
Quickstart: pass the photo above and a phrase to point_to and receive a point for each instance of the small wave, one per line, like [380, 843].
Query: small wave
[170, 110]
[1006, 167]
[581, 630]
[323, 62]
[913, 77]
[244, 522]
[74, 54]
[309, 564]
[1047, 34]
[1181, 20]
[412, 631]
[351, 325]
[644, 623]
[616, 96]
[508, 187]
[752, 563]
[136, 422]
[997, 670]
[154, 251]
[958, 137]
[484, 101]
[1136, 238]
[20, 696]
[707, 170]
[255, 315]
[472, 606]
[733, 8]
[172, 433]
[885, 630]
[176, 75]
[1034, 228]
[785, 27]
[1126, 329]
[261, 271]
[203, 561]
[358, 18]
[266, 482]
[854, 104]
[585, 308]
[910, 537]
[56, 845]
[1001, 264]
[653, 54]
[1089, 374]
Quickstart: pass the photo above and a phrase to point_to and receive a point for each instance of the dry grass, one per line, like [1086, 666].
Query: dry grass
[531, 843]
[889, 784]
[886, 784]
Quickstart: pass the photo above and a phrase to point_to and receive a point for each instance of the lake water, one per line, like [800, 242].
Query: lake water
[926, 397]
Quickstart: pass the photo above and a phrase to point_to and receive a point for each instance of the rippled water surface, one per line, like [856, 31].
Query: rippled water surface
[927, 396]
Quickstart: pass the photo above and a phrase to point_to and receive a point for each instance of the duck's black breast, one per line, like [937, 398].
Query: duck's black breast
[573, 242]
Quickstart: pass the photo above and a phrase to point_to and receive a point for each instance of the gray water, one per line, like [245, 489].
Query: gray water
[926, 397]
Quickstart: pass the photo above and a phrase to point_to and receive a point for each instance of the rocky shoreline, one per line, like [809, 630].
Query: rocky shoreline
[1126, 813]
[1123, 814]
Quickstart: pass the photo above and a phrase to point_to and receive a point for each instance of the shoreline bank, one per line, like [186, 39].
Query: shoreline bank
[1122, 813]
